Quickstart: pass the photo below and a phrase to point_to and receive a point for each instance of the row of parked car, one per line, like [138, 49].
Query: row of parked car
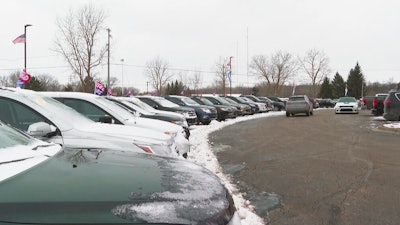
[81, 158]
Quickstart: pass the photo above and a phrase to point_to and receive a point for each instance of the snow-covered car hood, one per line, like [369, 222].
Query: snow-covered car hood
[14, 160]
[153, 124]
[139, 188]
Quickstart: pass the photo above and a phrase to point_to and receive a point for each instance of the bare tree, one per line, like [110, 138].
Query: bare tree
[276, 70]
[222, 74]
[196, 81]
[316, 65]
[157, 72]
[77, 42]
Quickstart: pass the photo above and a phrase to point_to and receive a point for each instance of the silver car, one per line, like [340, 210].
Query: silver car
[52, 121]
[299, 104]
[96, 107]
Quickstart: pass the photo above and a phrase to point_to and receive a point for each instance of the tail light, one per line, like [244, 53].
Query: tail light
[388, 102]
[375, 103]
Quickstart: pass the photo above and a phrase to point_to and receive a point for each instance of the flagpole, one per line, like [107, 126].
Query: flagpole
[26, 25]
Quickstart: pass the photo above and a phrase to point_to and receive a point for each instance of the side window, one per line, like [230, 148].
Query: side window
[176, 101]
[19, 115]
[88, 109]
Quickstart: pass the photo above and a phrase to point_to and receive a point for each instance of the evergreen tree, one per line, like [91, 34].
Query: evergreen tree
[355, 82]
[326, 89]
[338, 86]
[35, 84]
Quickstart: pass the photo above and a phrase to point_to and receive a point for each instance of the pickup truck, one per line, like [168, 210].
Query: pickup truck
[378, 104]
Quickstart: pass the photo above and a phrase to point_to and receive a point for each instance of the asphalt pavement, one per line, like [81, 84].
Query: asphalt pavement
[314, 170]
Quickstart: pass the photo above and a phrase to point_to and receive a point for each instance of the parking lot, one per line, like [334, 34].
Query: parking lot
[321, 169]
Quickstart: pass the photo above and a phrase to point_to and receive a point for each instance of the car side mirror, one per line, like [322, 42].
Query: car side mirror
[155, 106]
[41, 129]
[105, 119]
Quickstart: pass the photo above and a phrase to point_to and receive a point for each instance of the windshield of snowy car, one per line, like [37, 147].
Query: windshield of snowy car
[10, 137]
[189, 101]
[166, 103]
[347, 99]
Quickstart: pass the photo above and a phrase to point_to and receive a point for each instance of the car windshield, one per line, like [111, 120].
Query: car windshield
[347, 99]
[135, 107]
[206, 101]
[230, 101]
[189, 101]
[165, 103]
[10, 137]
[223, 101]
[141, 104]
[56, 108]
[115, 107]
[296, 98]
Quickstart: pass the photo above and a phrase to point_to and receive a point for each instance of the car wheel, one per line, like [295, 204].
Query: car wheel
[276, 108]
[287, 114]
[311, 113]
[308, 113]
[206, 123]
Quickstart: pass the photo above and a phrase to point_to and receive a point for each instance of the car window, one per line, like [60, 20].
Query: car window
[10, 137]
[88, 109]
[18, 115]
[214, 101]
[206, 101]
[296, 98]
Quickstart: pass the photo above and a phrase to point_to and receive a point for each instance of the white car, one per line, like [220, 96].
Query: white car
[48, 119]
[346, 105]
[99, 108]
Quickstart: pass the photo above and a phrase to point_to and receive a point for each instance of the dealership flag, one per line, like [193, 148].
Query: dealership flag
[23, 79]
[346, 90]
[99, 88]
[20, 39]
[293, 89]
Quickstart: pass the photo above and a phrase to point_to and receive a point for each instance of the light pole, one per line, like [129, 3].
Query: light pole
[147, 87]
[122, 68]
[108, 59]
[26, 25]
[230, 75]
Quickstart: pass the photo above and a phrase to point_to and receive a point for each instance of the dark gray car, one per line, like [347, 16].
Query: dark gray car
[392, 106]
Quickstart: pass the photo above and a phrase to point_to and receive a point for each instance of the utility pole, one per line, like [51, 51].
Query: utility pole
[122, 69]
[108, 59]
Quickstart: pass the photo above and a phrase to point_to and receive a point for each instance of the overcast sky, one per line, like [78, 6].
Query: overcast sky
[194, 35]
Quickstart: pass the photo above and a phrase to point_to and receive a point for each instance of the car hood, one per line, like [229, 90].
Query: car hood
[137, 133]
[101, 186]
[346, 103]
[153, 124]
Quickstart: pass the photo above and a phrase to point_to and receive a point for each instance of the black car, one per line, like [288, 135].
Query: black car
[326, 103]
[161, 103]
[277, 103]
[392, 106]
[205, 114]
[223, 112]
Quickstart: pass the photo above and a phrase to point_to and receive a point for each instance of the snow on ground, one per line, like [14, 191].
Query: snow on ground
[201, 153]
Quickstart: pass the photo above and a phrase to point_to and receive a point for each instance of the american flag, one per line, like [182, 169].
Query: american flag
[20, 39]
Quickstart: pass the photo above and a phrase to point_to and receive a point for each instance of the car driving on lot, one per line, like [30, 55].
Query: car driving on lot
[50, 120]
[98, 107]
[346, 105]
[43, 183]
[299, 104]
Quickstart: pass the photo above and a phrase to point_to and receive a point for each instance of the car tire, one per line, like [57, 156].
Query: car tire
[287, 114]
